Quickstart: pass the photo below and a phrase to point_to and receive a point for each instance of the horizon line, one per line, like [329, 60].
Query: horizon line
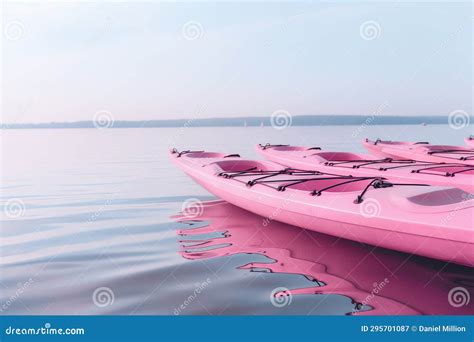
[106, 120]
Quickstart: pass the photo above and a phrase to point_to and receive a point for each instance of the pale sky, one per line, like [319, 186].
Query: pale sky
[162, 60]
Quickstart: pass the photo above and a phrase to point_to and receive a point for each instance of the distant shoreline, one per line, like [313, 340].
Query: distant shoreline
[301, 120]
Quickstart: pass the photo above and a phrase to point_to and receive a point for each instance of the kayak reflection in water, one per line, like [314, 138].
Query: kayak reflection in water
[378, 281]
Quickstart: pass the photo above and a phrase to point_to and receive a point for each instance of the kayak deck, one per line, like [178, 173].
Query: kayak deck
[393, 169]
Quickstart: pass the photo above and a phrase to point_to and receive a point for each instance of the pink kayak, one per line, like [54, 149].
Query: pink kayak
[422, 151]
[469, 141]
[361, 165]
[431, 221]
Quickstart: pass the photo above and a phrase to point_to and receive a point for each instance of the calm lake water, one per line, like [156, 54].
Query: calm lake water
[90, 225]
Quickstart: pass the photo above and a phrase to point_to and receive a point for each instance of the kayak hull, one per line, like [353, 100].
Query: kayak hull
[408, 243]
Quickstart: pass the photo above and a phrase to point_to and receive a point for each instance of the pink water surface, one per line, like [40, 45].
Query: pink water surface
[378, 281]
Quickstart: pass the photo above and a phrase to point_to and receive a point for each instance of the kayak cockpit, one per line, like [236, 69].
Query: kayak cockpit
[253, 172]
[243, 165]
[448, 170]
[343, 156]
[446, 196]
[331, 185]
[391, 143]
[290, 148]
[205, 155]
[444, 148]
